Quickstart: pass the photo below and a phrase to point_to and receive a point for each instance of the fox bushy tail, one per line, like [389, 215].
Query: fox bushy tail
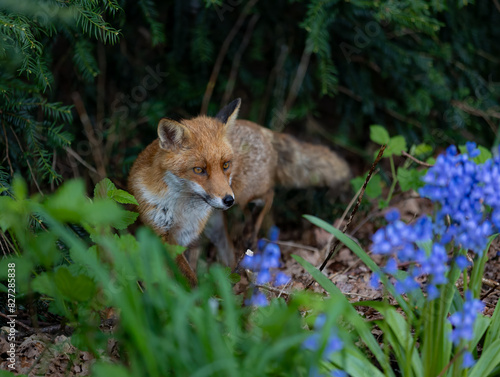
[303, 165]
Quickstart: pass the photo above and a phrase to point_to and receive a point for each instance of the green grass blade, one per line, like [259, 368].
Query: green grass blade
[494, 329]
[355, 364]
[353, 317]
[490, 358]
[365, 258]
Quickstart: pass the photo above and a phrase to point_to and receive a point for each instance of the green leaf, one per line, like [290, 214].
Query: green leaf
[489, 359]
[356, 249]
[64, 283]
[353, 317]
[422, 149]
[494, 329]
[123, 197]
[19, 188]
[480, 326]
[234, 278]
[101, 369]
[395, 146]
[104, 189]
[379, 135]
[484, 155]
[373, 188]
[410, 179]
[74, 287]
[69, 203]
[127, 218]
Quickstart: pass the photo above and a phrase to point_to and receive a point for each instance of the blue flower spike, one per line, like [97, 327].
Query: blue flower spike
[264, 264]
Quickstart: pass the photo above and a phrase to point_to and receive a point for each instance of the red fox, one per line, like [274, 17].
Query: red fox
[199, 167]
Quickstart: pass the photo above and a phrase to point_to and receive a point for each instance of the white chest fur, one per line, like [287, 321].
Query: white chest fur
[181, 211]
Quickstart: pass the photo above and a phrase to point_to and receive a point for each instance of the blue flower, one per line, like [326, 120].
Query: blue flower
[375, 281]
[274, 233]
[463, 321]
[392, 215]
[257, 299]
[281, 279]
[313, 342]
[468, 360]
[263, 263]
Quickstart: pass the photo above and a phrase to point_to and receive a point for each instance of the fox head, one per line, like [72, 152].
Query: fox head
[197, 156]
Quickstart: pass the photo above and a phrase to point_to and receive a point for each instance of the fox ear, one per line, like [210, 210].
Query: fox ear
[229, 113]
[172, 134]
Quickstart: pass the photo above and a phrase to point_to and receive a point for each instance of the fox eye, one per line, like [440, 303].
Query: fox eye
[226, 165]
[198, 170]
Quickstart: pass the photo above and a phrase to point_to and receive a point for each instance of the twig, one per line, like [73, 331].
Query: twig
[270, 82]
[222, 53]
[7, 149]
[297, 82]
[336, 244]
[490, 291]
[457, 355]
[477, 112]
[406, 154]
[341, 220]
[28, 162]
[19, 322]
[80, 160]
[95, 145]
[237, 59]
[294, 244]
[497, 4]
[272, 289]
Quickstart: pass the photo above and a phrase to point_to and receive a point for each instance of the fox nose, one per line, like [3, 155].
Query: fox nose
[228, 200]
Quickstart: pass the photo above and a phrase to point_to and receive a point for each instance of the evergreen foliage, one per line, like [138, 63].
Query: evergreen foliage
[409, 65]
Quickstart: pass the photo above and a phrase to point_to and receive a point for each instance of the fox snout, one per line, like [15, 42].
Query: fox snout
[223, 203]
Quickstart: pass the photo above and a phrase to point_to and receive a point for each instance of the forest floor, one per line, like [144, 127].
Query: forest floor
[49, 352]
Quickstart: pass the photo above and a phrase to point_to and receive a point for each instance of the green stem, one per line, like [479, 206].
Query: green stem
[394, 179]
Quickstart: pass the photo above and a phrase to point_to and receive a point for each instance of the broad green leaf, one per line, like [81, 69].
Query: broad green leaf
[69, 202]
[44, 284]
[104, 189]
[355, 363]
[484, 155]
[123, 197]
[395, 146]
[74, 288]
[105, 212]
[373, 188]
[9, 214]
[19, 188]
[127, 218]
[422, 149]
[410, 179]
[379, 135]
[490, 358]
